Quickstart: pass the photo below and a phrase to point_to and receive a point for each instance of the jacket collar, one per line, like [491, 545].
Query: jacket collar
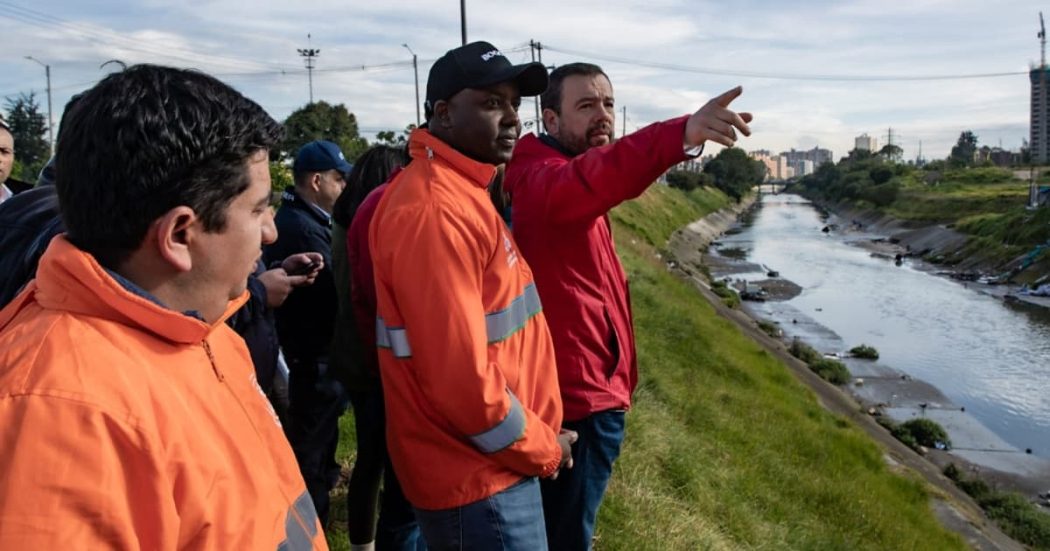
[554, 144]
[423, 145]
[293, 200]
[71, 280]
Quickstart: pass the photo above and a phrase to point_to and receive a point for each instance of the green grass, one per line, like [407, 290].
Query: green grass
[987, 204]
[1017, 516]
[917, 432]
[864, 351]
[729, 297]
[662, 209]
[803, 351]
[725, 449]
[769, 328]
[949, 203]
[832, 371]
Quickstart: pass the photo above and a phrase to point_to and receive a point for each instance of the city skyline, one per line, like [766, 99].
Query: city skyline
[813, 74]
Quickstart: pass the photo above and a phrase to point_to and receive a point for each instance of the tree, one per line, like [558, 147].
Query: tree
[683, 179]
[891, 151]
[29, 129]
[323, 121]
[858, 155]
[389, 137]
[880, 174]
[280, 176]
[734, 172]
[964, 150]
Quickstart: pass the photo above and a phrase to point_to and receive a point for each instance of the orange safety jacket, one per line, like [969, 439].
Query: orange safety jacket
[126, 425]
[466, 359]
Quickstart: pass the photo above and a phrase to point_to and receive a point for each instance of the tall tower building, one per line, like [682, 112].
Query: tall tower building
[1038, 139]
[866, 142]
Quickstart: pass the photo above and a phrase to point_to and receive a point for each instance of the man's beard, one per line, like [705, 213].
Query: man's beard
[577, 144]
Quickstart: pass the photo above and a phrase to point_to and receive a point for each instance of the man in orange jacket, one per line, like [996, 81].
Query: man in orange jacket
[130, 416]
[472, 400]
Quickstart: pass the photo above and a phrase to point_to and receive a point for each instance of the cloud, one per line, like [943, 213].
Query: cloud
[254, 48]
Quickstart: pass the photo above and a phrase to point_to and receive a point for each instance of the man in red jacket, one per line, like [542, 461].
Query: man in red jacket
[562, 186]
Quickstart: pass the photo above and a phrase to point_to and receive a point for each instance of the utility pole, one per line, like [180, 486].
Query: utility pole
[463, 20]
[50, 124]
[532, 51]
[415, 68]
[308, 55]
[624, 133]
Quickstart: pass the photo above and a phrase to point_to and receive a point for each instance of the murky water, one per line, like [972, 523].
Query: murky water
[988, 356]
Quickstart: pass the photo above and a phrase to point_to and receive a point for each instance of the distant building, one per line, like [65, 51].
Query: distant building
[866, 142]
[997, 155]
[784, 171]
[801, 167]
[693, 165]
[1039, 139]
[770, 162]
[816, 155]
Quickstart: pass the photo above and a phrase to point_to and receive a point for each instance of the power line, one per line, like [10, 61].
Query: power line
[778, 76]
[43, 20]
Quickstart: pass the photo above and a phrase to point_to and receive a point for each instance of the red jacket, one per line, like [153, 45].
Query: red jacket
[362, 279]
[559, 209]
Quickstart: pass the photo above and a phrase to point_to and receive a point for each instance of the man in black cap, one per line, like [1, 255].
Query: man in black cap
[306, 319]
[472, 401]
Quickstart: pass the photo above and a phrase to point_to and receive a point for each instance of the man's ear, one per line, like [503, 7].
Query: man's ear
[315, 181]
[441, 114]
[551, 121]
[174, 234]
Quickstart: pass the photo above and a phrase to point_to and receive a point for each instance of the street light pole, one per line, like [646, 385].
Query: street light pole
[50, 124]
[415, 68]
[463, 20]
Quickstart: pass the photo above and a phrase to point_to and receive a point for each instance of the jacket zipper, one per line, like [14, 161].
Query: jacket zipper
[244, 410]
[211, 358]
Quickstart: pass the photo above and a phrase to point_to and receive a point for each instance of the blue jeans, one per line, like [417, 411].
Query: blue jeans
[511, 520]
[570, 503]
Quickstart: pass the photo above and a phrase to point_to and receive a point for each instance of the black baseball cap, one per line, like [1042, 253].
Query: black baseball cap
[477, 65]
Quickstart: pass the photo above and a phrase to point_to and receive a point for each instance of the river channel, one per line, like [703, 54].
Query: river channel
[989, 357]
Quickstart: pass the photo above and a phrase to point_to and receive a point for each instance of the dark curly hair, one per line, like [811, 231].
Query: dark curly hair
[369, 172]
[146, 140]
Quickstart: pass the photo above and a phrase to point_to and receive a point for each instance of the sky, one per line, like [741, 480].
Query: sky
[815, 73]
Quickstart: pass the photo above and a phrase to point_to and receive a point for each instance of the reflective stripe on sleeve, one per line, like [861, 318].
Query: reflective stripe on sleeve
[504, 433]
[393, 338]
[502, 324]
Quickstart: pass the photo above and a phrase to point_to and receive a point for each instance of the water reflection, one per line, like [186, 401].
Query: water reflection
[989, 356]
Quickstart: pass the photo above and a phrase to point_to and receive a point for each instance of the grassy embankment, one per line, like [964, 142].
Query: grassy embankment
[725, 449]
[987, 204]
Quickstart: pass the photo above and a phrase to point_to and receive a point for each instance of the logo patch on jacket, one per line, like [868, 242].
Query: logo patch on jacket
[269, 407]
[512, 255]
